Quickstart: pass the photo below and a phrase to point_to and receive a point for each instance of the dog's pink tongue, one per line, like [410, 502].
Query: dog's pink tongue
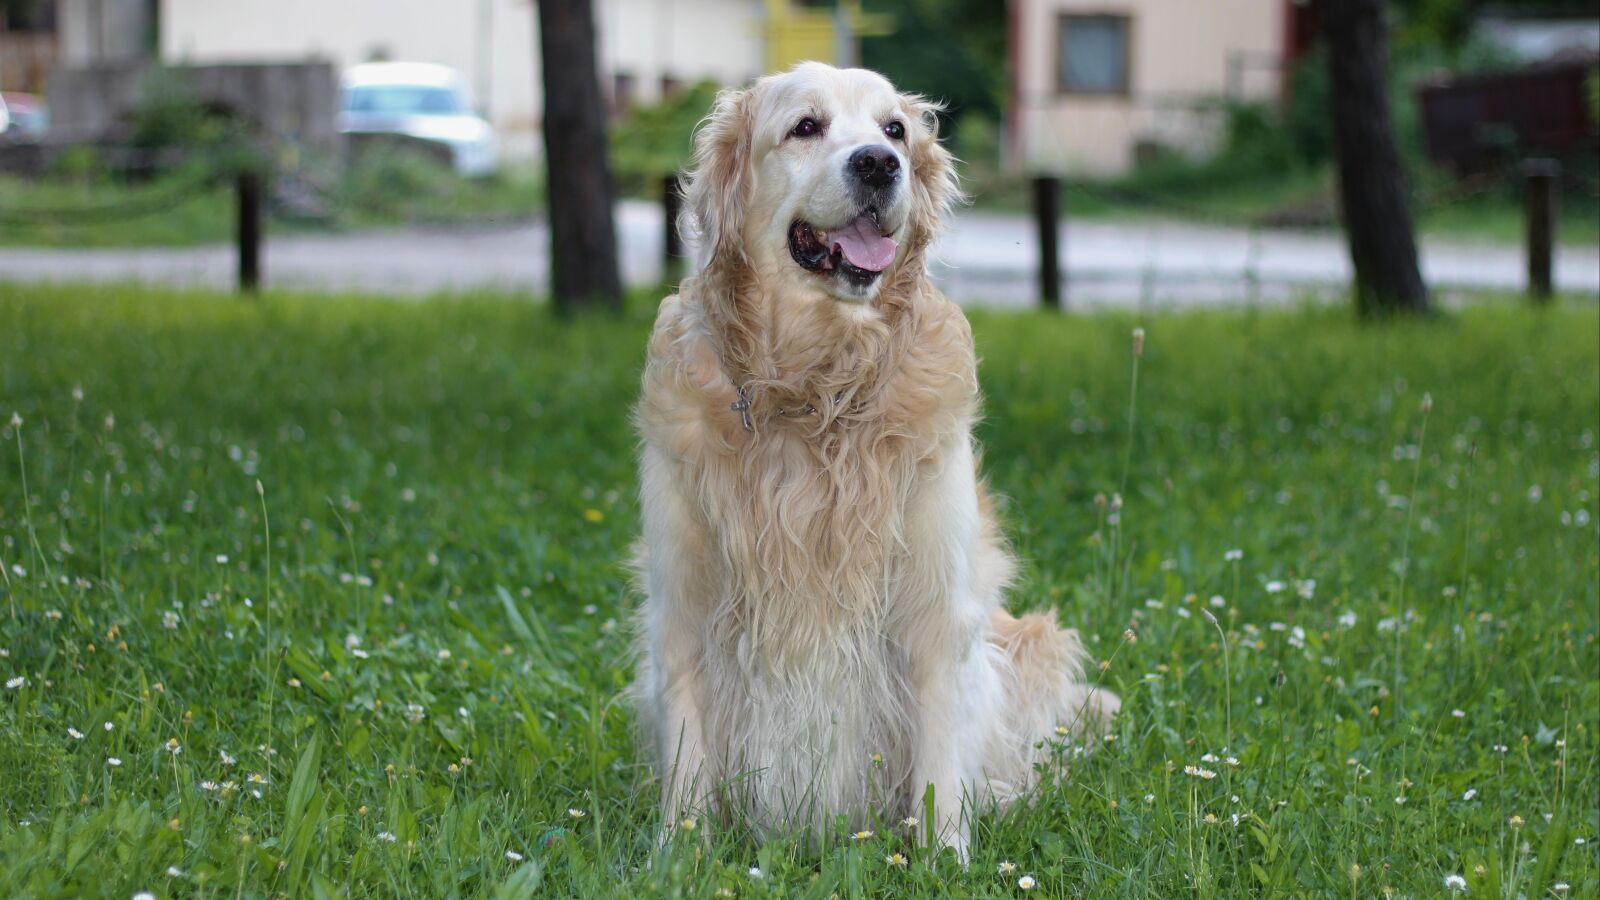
[864, 245]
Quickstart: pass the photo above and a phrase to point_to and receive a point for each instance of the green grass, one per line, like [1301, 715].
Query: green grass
[429, 572]
[1294, 198]
[177, 210]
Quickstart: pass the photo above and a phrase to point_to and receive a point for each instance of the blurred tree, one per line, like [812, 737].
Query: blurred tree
[583, 237]
[950, 50]
[1372, 182]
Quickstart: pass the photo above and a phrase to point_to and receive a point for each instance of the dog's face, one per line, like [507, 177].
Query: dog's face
[820, 178]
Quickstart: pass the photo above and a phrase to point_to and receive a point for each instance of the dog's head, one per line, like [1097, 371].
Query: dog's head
[827, 180]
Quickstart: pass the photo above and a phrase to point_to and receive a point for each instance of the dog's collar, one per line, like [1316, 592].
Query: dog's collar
[742, 407]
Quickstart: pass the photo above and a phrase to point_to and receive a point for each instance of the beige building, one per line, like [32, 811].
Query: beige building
[646, 47]
[1097, 82]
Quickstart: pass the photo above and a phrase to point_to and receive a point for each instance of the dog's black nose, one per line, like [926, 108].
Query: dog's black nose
[877, 166]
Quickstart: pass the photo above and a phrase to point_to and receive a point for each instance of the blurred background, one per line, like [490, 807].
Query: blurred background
[1187, 148]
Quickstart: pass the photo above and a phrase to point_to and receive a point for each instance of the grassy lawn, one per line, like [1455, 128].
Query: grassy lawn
[1291, 199]
[178, 209]
[314, 595]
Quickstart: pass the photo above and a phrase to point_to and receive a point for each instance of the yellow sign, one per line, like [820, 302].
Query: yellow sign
[829, 34]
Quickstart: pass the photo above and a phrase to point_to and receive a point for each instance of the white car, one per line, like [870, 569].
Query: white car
[420, 101]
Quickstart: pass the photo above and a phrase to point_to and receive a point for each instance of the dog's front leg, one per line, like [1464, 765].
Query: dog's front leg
[672, 571]
[944, 607]
[944, 755]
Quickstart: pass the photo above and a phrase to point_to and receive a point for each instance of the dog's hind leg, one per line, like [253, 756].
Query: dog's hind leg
[1042, 671]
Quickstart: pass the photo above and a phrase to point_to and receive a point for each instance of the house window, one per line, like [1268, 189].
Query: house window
[1092, 54]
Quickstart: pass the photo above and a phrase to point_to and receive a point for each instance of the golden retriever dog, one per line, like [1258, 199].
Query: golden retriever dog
[823, 630]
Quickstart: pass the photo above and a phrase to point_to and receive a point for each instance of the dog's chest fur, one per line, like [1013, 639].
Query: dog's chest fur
[811, 594]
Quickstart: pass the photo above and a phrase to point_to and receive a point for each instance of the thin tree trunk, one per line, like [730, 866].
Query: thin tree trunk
[1372, 184]
[583, 238]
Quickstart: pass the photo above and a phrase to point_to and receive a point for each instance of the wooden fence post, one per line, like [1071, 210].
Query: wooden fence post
[247, 189]
[672, 241]
[1047, 213]
[1539, 209]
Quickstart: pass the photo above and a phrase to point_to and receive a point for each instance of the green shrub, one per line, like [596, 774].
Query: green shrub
[654, 141]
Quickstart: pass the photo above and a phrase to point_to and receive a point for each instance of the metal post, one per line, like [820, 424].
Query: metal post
[672, 243]
[1539, 208]
[1047, 212]
[247, 186]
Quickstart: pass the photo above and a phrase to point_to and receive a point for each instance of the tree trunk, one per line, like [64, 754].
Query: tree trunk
[583, 237]
[1372, 184]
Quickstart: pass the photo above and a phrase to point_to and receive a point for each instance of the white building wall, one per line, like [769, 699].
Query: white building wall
[1179, 52]
[493, 43]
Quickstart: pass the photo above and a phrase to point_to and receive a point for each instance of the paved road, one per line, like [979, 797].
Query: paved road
[985, 259]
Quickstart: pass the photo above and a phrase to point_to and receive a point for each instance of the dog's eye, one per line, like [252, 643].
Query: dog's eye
[807, 127]
[895, 130]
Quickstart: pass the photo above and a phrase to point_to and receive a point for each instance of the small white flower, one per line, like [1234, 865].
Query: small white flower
[1458, 713]
[1275, 587]
[1209, 758]
[222, 559]
[1471, 792]
[1232, 761]
[444, 654]
[358, 653]
[75, 734]
[1561, 887]
[208, 786]
[514, 856]
[144, 895]
[14, 683]
[462, 712]
[1217, 602]
[1233, 555]
[113, 761]
[387, 837]
[1006, 867]
[1455, 883]
[1196, 771]
[1026, 883]
[169, 620]
[910, 821]
[174, 872]
[109, 726]
[226, 759]
[1149, 798]
[1400, 800]
[756, 873]
[1347, 620]
[575, 812]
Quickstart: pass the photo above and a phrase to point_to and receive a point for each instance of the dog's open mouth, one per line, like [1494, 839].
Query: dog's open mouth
[859, 250]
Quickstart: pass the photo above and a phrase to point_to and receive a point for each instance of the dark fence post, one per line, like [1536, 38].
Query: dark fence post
[672, 241]
[247, 188]
[1047, 212]
[1539, 209]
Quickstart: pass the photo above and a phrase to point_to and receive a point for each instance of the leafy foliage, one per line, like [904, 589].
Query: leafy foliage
[653, 141]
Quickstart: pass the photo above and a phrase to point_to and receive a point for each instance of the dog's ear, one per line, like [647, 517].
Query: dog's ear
[719, 184]
[935, 188]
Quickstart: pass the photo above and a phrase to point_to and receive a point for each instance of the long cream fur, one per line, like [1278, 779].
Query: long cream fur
[823, 630]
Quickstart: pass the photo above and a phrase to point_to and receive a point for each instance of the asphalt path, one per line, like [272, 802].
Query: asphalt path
[984, 259]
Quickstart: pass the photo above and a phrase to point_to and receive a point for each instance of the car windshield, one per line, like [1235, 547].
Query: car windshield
[403, 99]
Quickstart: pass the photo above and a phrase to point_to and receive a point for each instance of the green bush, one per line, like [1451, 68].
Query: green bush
[654, 141]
